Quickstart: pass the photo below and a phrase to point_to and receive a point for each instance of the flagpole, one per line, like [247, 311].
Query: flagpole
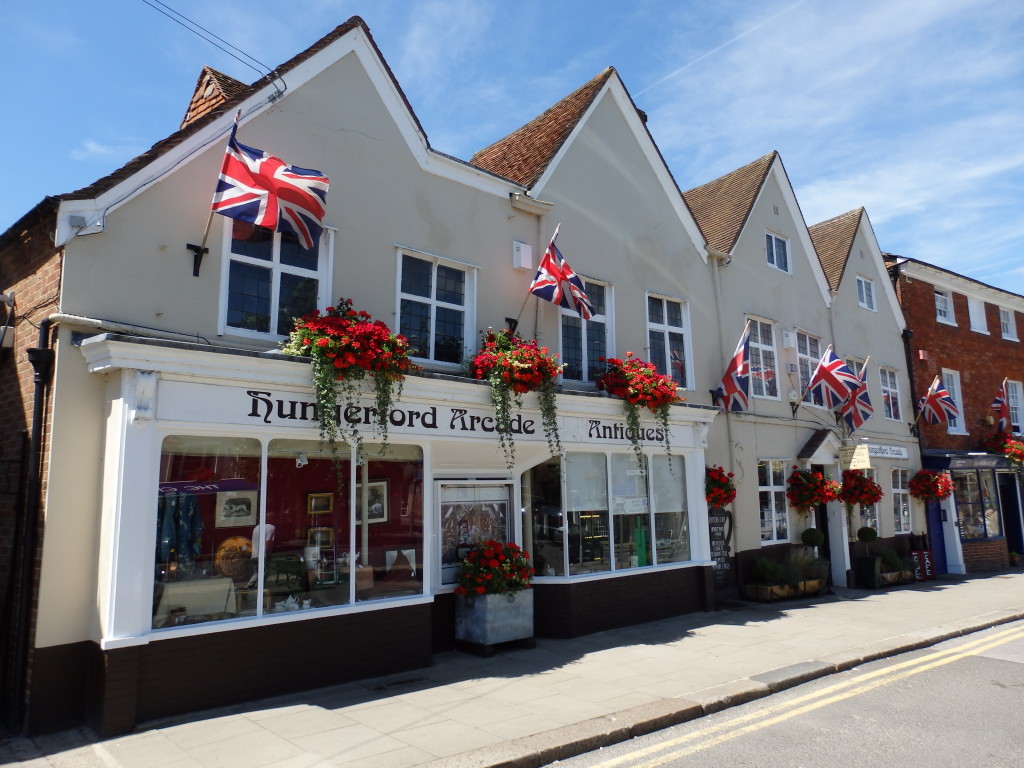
[198, 251]
[528, 294]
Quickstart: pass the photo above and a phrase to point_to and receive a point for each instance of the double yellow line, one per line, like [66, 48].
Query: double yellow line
[726, 730]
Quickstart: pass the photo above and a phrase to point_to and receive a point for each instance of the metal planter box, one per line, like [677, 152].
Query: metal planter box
[493, 619]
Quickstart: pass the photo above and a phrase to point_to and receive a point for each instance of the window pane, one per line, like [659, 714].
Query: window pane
[596, 349]
[655, 310]
[672, 524]
[572, 348]
[781, 257]
[416, 276]
[677, 358]
[674, 314]
[471, 514]
[252, 241]
[587, 508]
[542, 524]
[596, 294]
[207, 508]
[249, 297]
[414, 324]
[451, 285]
[657, 351]
[298, 298]
[448, 336]
[294, 255]
[630, 512]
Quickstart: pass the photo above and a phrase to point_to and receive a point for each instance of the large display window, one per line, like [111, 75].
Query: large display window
[315, 530]
[977, 504]
[596, 512]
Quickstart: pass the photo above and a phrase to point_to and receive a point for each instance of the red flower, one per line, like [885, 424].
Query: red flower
[930, 486]
[493, 567]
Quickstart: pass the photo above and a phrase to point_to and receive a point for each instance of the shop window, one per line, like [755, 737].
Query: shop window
[763, 373]
[585, 342]
[586, 506]
[865, 292]
[777, 252]
[543, 531]
[808, 355]
[470, 513]
[666, 332]
[631, 512]
[207, 507]
[977, 504]
[435, 307]
[671, 516]
[271, 279]
[901, 500]
[232, 545]
[771, 493]
[890, 393]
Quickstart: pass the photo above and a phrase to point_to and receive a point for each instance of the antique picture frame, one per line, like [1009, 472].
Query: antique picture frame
[378, 499]
[236, 509]
[320, 536]
[319, 503]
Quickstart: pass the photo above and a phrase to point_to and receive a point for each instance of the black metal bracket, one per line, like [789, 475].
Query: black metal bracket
[198, 252]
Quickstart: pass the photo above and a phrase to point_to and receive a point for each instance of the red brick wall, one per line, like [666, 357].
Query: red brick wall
[983, 361]
[986, 555]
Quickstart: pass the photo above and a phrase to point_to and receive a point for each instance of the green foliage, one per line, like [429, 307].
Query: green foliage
[812, 537]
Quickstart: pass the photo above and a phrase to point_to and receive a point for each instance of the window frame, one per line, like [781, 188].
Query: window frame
[774, 492]
[606, 318]
[665, 329]
[866, 293]
[1015, 400]
[976, 315]
[807, 363]
[771, 249]
[944, 314]
[323, 274]
[900, 479]
[890, 393]
[468, 308]
[757, 346]
[951, 381]
[1008, 324]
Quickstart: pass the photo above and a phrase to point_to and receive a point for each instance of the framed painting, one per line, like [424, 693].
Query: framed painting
[319, 503]
[236, 509]
[378, 502]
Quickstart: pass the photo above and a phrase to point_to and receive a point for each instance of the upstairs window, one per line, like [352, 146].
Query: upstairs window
[666, 332]
[976, 315]
[1007, 324]
[777, 251]
[585, 342]
[764, 381]
[944, 307]
[951, 381]
[436, 298]
[890, 393]
[1015, 395]
[271, 279]
[808, 355]
[865, 293]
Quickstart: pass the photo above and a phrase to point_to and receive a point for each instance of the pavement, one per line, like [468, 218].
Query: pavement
[529, 707]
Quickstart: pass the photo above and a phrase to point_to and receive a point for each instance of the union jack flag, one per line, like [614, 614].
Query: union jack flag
[556, 282]
[937, 406]
[1001, 405]
[732, 393]
[259, 188]
[832, 382]
[857, 409]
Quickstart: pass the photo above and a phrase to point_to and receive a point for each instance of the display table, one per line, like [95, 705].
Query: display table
[199, 597]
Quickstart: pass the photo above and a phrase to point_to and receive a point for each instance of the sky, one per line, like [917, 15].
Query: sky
[913, 109]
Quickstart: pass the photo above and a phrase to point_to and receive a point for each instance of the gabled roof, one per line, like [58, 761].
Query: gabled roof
[525, 154]
[833, 240]
[213, 90]
[721, 207]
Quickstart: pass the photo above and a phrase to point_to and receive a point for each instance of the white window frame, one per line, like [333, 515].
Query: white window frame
[944, 307]
[775, 492]
[1015, 396]
[890, 382]
[806, 362]
[976, 315]
[773, 243]
[951, 381]
[901, 501]
[1008, 324]
[468, 308]
[606, 318]
[323, 274]
[664, 329]
[758, 350]
[866, 293]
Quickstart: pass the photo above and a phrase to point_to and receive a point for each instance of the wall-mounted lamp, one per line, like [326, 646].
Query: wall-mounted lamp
[301, 460]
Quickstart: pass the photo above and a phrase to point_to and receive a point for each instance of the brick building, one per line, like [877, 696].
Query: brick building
[966, 334]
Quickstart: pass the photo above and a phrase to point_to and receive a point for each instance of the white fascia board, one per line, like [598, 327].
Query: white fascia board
[95, 210]
[617, 91]
[949, 281]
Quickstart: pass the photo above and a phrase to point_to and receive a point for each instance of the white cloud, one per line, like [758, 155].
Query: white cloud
[90, 150]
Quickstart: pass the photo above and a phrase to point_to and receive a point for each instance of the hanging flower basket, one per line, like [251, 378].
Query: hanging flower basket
[930, 486]
[719, 488]
[639, 385]
[859, 489]
[345, 346]
[513, 367]
[805, 490]
[1004, 445]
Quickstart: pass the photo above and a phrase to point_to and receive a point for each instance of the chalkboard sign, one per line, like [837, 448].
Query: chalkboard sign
[720, 525]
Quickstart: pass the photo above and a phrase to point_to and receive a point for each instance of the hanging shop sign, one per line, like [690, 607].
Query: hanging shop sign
[854, 457]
